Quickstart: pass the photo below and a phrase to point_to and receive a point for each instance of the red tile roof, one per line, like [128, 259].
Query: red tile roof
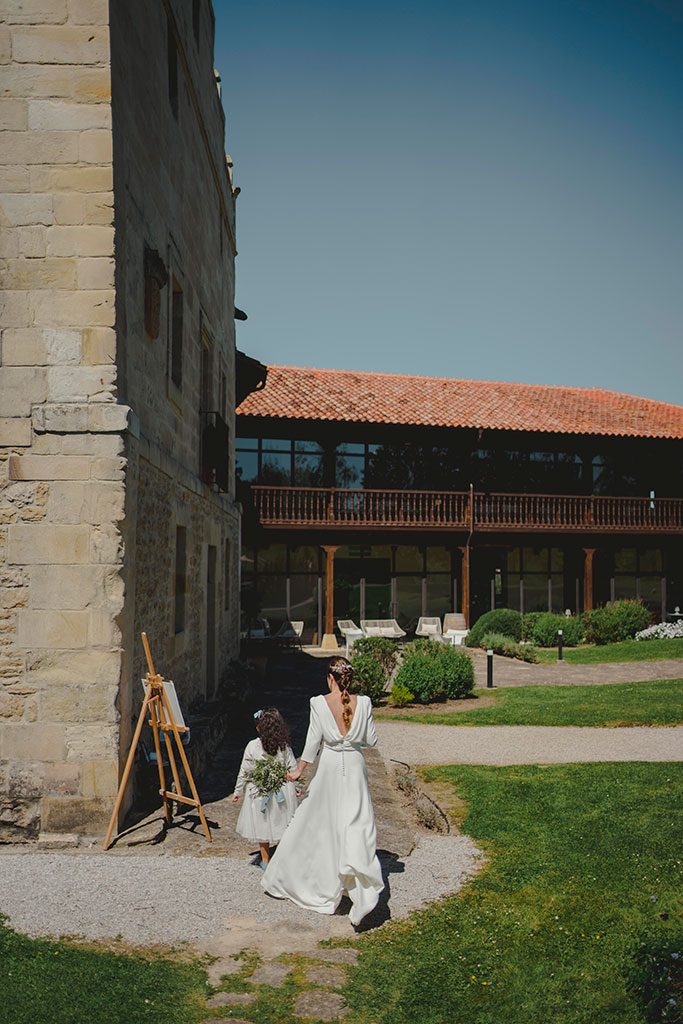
[301, 392]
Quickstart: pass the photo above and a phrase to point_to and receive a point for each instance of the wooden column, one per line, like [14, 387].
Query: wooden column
[329, 640]
[465, 575]
[588, 578]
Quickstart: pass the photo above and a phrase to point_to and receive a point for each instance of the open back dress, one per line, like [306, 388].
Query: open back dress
[329, 847]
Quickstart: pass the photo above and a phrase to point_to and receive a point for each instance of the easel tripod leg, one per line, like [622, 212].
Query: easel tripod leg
[126, 770]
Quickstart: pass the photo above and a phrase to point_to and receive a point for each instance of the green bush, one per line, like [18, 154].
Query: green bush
[434, 671]
[500, 620]
[529, 620]
[655, 980]
[368, 677]
[500, 644]
[616, 621]
[373, 660]
[544, 632]
[400, 695]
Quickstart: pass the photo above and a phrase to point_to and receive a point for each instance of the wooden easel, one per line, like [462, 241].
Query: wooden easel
[161, 718]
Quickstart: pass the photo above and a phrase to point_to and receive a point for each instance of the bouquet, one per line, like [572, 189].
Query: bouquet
[268, 775]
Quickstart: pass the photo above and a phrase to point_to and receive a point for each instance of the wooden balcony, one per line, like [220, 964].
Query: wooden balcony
[336, 509]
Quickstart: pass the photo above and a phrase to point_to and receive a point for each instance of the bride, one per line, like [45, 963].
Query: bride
[328, 848]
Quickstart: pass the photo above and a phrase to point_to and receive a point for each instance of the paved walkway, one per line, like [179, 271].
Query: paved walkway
[415, 743]
[510, 672]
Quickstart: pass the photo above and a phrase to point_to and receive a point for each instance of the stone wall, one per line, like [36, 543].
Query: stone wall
[100, 449]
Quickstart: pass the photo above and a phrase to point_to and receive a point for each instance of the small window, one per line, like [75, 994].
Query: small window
[177, 335]
[180, 587]
[172, 70]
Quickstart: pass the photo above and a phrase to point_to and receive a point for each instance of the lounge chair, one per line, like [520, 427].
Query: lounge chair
[430, 627]
[350, 631]
[290, 632]
[454, 628]
[382, 627]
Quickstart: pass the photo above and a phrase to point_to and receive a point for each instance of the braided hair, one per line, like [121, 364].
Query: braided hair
[342, 673]
[272, 730]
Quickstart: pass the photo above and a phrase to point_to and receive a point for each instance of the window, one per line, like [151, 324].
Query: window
[172, 70]
[180, 587]
[177, 334]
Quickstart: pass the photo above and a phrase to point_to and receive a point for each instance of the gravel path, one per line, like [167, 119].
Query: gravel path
[415, 743]
[191, 899]
[509, 672]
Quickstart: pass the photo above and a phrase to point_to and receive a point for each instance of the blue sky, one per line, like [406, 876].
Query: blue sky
[475, 189]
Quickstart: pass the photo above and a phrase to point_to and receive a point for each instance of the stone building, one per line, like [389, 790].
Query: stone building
[118, 390]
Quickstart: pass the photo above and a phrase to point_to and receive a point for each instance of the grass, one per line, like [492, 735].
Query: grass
[584, 864]
[45, 982]
[626, 650]
[655, 702]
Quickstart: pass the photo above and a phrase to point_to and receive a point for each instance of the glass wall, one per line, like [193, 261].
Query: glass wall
[533, 579]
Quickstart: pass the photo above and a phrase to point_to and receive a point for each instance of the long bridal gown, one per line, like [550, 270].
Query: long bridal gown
[328, 848]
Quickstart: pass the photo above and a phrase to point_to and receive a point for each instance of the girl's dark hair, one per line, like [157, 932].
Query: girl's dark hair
[342, 673]
[272, 731]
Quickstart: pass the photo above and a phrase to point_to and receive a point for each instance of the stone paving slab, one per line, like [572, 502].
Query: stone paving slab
[319, 1005]
[416, 743]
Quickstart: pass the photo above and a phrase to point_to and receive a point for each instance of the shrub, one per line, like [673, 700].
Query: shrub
[373, 660]
[435, 671]
[368, 677]
[544, 632]
[400, 695]
[499, 620]
[616, 621]
[655, 980]
[529, 620]
[500, 644]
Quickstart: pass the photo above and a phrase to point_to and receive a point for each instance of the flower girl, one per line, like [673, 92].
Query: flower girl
[269, 800]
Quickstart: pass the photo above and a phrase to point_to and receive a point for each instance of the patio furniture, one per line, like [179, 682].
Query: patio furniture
[430, 626]
[350, 631]
[290, 632]
[382, 627]
[455, 628]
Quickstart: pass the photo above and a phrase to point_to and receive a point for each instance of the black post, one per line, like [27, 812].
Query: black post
[559, 645]
[489, 669]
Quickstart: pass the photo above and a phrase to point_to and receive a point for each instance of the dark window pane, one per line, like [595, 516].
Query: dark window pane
[303, 600]
[275, 445]
[350, 471]
[438, 560]
[246, 466]
[651, 560]
[351, 449]
[625, 560]
[535, 560]
[409, 599]
[248, 443]
[439, 595]
[308, 446]
[409, 559]
[308, 470]
[304, 559]
[272, 559]
[276, 469]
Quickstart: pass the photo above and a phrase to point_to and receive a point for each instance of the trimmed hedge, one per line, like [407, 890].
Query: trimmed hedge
[372, 659]
[499, 620]
[616, 621]
[546, 625]
[500, 644]
[434, 671]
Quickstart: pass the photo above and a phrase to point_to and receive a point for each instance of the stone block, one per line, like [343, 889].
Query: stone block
[15, 432]
[61, 44]
[23, 346]
[91, 84]
[104, 631]
[11, 705]
[49, 467]
[63, 347]
[5, 46]
[106, 503]
[14, 597]
[95, 147]
[14, 178]
[19, 820]
[11, 665]
[45, 544]
[96, 273]
[69, 208]
[60, 630]
[72, 704]
[34, 12]
[32, 241]
[26, 208]
[99, 346]
[68, 502]
[108, 417]
[108, 469]
[100, 779]
[72, 309]
[63, 587]
[72, 814]
[81, 383]
[9, 244]
[61, 779]
[61, 115]
[106, 545]
[89, 12]
[91, 742]
[41, 273]
[39, 147]
[22, 387]
[61, 417]
[99, 208]
[14, 117]
[71, 179]
[31, 742]
[80, 240]
[15, 311]
[92, 444]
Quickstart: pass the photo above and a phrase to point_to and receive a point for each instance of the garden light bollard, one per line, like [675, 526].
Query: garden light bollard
[559, 644]
[489, 669]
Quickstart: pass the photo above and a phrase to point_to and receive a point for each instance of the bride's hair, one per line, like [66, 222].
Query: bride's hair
[272, 731]
[342, 673]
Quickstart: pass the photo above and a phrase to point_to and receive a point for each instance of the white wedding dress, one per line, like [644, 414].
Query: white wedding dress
[329, 847]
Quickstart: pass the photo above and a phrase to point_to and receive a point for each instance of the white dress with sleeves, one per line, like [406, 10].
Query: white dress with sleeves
[329, 847]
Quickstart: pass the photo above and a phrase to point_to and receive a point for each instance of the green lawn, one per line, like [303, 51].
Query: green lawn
[627, 650]
[45, 982]
[656, 702]
[585, 863]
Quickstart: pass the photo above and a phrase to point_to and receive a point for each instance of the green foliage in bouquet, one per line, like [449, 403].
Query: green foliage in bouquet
[268, 775]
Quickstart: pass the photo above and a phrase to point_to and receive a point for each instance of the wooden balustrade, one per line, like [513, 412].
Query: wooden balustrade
[450, 510]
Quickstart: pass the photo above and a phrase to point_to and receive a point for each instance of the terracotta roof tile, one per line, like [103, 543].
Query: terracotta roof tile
[300, 392]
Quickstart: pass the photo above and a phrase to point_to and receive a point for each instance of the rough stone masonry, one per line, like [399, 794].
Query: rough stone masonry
[117, 261]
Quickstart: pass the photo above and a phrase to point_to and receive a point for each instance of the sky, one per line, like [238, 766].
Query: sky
[484, 189]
